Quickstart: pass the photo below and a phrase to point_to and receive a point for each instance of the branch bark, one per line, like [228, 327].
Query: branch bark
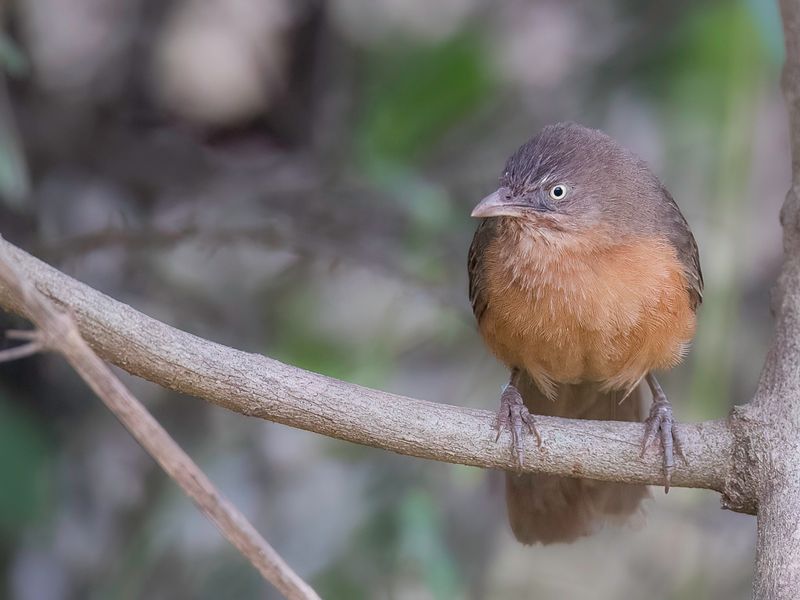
[255, 385]
[57, 331]
[774, 448]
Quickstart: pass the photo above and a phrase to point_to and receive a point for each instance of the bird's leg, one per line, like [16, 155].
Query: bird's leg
[662, 422]
[514, 415]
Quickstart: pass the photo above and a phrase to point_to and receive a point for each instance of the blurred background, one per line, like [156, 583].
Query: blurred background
[295, 178]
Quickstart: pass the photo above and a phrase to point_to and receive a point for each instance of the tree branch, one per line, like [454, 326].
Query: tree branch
[58, 332]
[774, 449]
[255, 385]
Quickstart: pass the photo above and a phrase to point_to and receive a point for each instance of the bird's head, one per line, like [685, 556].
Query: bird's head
[570, 176]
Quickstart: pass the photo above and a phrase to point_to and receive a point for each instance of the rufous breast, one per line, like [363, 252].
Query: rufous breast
[571, 307]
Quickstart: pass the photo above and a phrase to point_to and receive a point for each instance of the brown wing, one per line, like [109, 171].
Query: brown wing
[477, 287]
[681, 237]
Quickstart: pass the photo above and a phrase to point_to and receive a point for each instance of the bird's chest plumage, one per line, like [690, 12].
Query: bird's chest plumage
[570, 308]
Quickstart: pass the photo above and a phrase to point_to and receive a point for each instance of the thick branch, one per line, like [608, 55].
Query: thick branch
[255, 385]
[775, 446]
[58, 332]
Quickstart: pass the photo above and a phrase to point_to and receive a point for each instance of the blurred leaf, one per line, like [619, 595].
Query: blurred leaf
[14, 178]
[370, 561]
[12, 59]
[25, 469]
[337, 583]
[229, 576]
[768, 20]
[715, 47]
[423, 546]
[414, 95]
[14, 184]
[430, 213]
[429, 207]
[297, 341]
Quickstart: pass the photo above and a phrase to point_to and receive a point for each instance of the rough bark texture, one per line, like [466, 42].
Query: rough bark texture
[255, 385]
[775, 445]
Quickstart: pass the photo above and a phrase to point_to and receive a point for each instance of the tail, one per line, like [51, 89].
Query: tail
[546, 508]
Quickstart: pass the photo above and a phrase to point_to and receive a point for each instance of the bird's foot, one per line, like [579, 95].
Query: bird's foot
[661, 423]
[514, 416]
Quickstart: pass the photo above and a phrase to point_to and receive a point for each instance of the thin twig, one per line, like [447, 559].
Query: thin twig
[59, 333]
[29, 335]
[22, 351]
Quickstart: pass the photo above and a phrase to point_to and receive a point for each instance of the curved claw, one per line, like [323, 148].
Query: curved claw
[661, 423]
[514, 416]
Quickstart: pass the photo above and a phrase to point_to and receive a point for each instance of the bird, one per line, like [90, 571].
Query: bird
[585, 280]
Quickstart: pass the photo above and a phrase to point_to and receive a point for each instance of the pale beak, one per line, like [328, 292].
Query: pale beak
[498, 204]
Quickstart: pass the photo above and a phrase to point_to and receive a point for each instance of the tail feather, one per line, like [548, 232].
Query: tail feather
[545, 508]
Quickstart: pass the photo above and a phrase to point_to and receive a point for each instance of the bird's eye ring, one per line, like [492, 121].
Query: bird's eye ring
[558, 191]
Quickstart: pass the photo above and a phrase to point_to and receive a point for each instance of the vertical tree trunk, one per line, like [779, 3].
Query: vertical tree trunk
[774, 446]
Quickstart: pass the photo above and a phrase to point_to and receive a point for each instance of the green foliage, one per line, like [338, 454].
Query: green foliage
[298, 341]
[414, 95]
[431, 213]
[422, 547]
[25, 469]
[370, 561]
[767, 18]
[404, 540]
[12, 60]
[228, 576]
[716, 46]
[14, 177]
[340, 584]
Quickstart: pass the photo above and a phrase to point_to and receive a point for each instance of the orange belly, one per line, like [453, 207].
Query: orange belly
[572, 312]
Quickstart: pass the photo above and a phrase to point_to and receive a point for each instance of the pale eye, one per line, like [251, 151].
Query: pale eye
[558, 191]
